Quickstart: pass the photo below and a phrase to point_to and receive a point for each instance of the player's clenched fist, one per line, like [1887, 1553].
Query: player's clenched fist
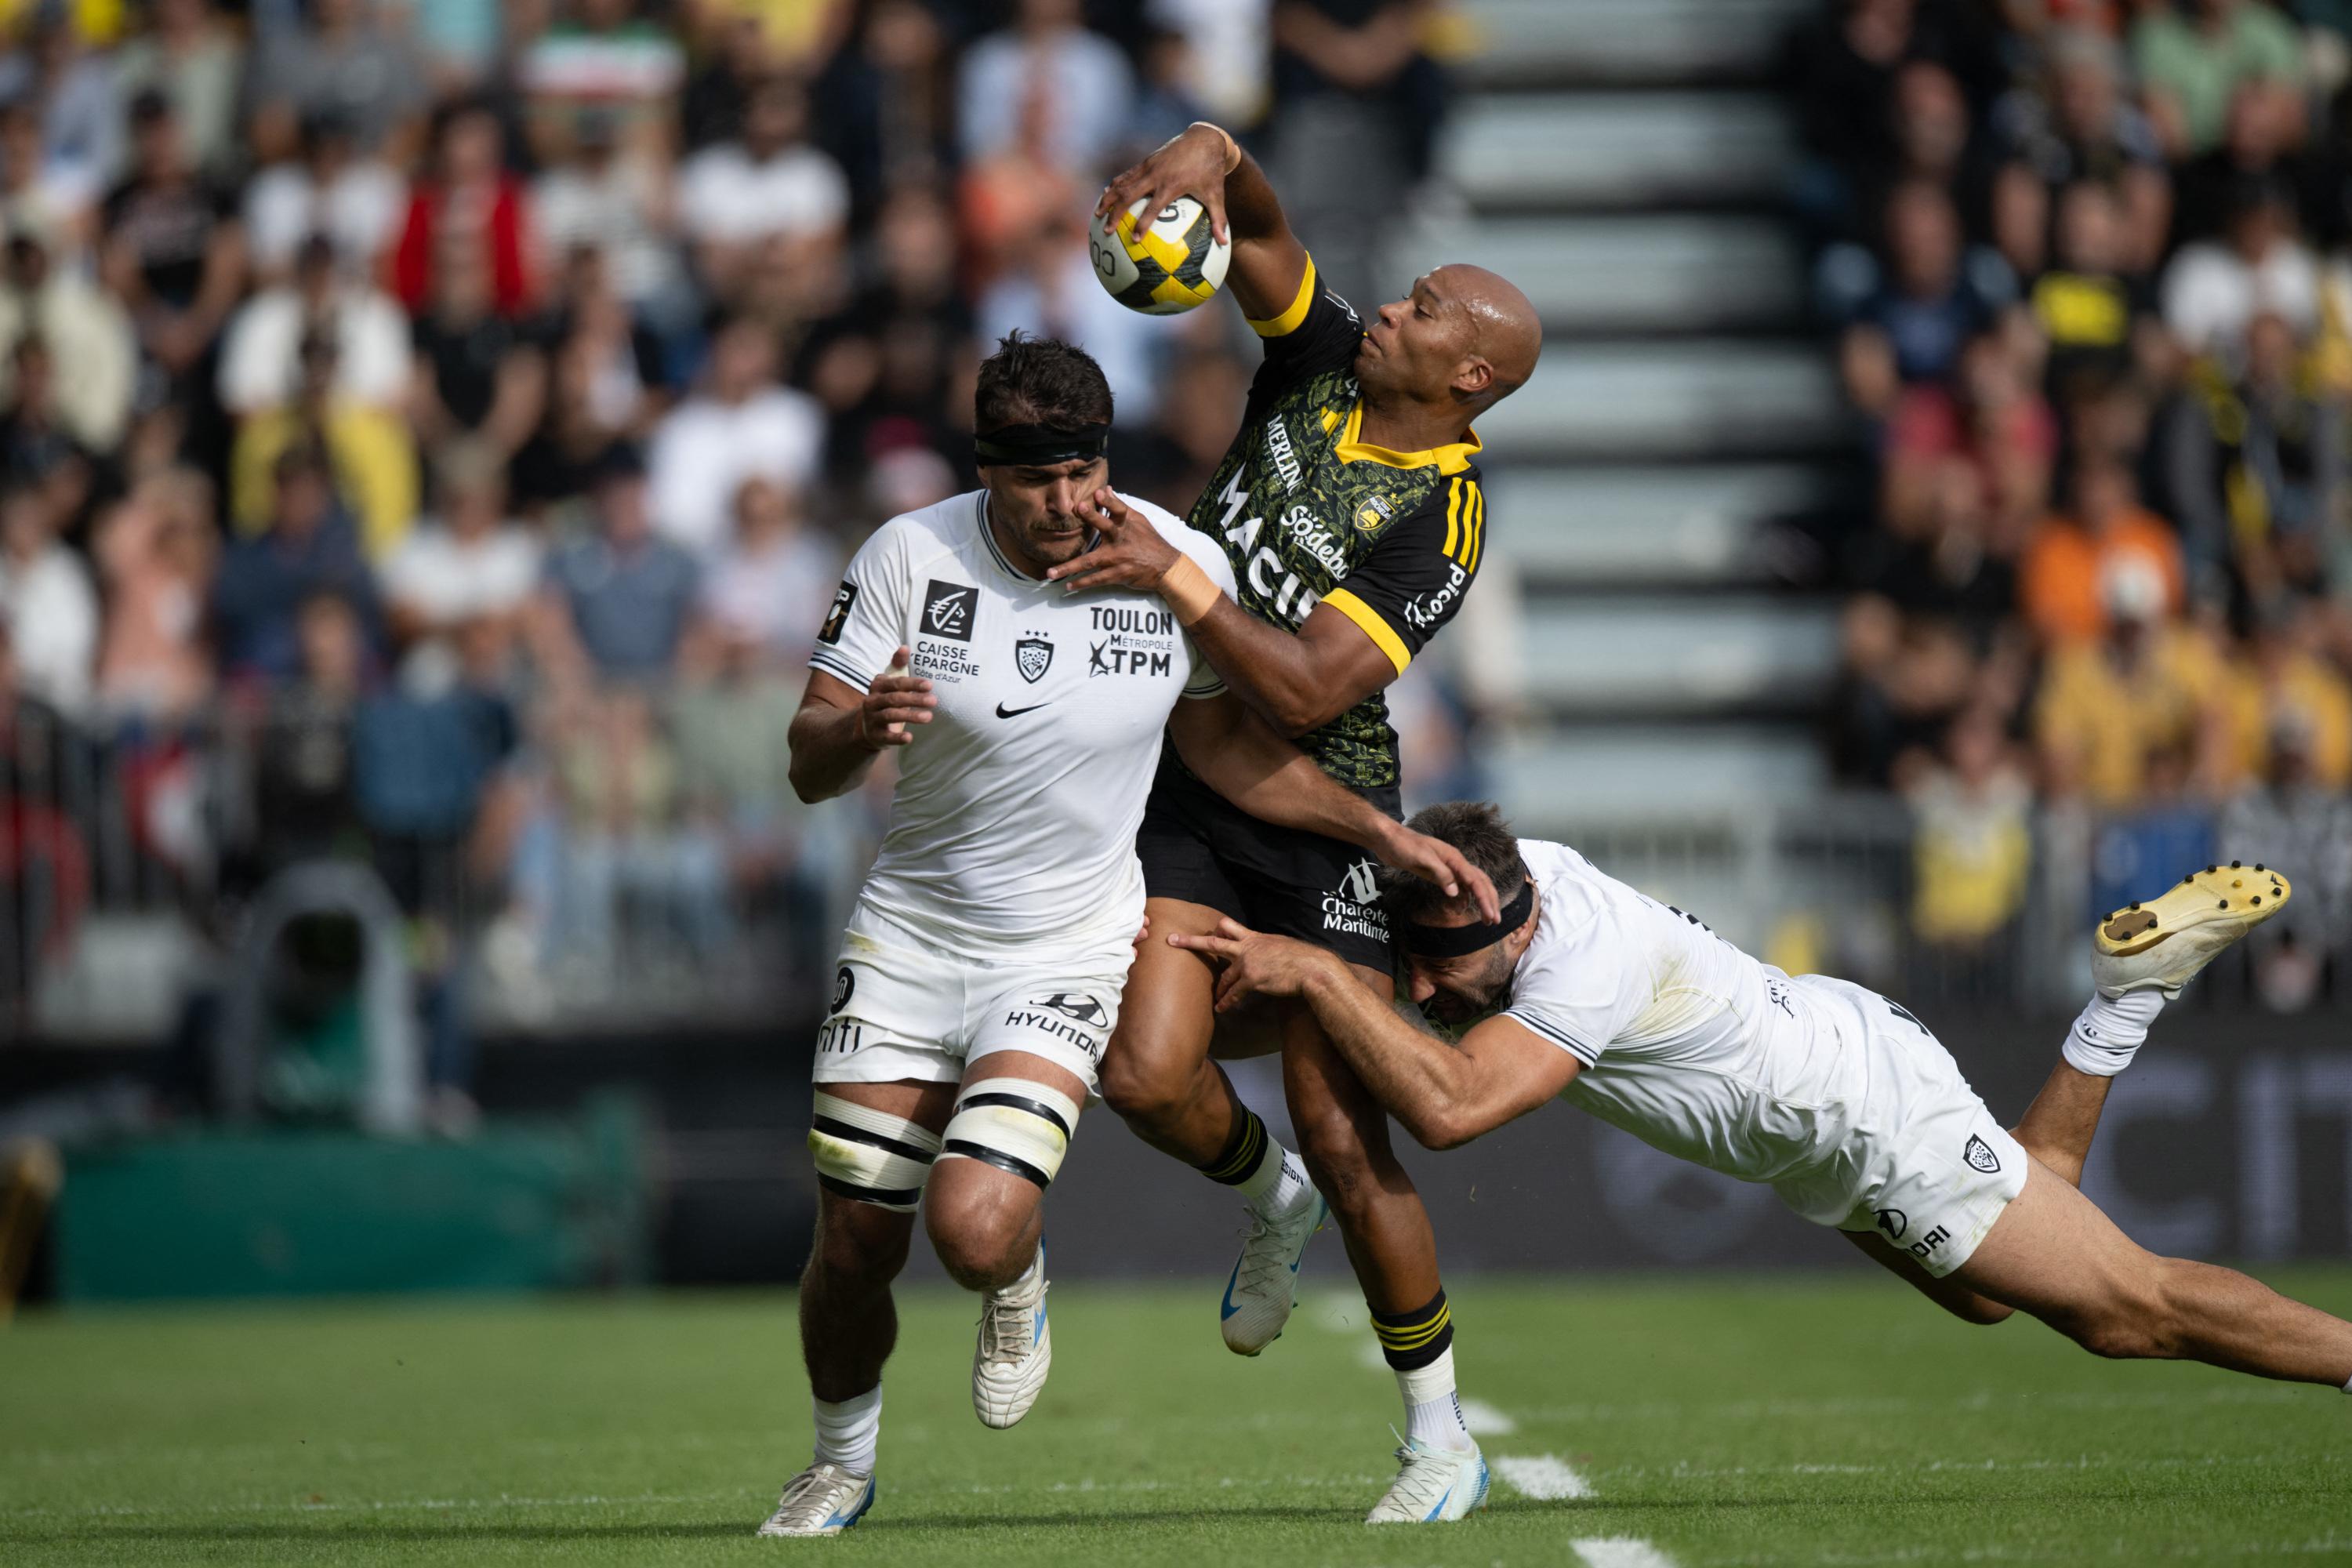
[896, 699]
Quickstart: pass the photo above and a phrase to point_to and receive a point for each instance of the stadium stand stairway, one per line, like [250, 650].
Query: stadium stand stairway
[1623, 161]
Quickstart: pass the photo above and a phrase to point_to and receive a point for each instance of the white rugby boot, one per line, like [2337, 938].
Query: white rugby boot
[1435, 1486]
[823, 1500]
[1264, 1285]
[1015, 1349]
[2160, 944]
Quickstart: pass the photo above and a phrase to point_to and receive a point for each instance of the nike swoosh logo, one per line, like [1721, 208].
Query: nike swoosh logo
[1004, 712]
[1226, 1308]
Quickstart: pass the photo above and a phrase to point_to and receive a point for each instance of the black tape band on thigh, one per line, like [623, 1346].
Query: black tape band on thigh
[858, 1195]
[840, 1129]
[1414, 1339]
[998, 1158]
[1037, 1109]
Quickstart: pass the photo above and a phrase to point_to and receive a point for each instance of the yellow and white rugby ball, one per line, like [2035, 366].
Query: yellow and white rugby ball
[1162, 268]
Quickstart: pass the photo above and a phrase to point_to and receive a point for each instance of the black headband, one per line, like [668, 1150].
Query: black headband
[1041, 446]
[1456, 941]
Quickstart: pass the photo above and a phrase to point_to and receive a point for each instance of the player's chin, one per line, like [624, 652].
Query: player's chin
[1058, 549]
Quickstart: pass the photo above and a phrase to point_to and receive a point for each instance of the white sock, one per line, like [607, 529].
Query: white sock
[1432, 1412]
[1277, 1187]
[2102, 1039]
[2347, 1386]
[846, 1433]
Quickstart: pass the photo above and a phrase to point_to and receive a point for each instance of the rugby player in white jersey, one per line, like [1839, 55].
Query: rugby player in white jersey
[981, 972]
[1838, 1099]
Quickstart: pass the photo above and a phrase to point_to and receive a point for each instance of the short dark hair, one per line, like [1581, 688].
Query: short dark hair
[1040, 381]
[1476, 828]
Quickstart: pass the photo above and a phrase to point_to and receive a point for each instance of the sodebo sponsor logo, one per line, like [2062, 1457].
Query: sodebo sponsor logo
[1316, 540]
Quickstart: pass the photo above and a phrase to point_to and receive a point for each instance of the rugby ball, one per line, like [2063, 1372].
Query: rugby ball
[1164, 266]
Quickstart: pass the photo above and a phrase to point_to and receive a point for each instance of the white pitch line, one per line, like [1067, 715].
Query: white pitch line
[1547, 1477]
[1485, 1421]
[1620, 1551]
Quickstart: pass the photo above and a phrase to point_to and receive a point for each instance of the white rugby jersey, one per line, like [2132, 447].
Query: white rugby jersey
[1688, 1043]
[1016, 806]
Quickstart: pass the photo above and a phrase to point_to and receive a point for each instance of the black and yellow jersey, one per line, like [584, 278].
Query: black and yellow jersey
[1309, 514]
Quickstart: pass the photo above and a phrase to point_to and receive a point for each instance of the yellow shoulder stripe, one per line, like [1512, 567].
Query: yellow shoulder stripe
[1368, 620]
[1466, 523]
[1285, 324]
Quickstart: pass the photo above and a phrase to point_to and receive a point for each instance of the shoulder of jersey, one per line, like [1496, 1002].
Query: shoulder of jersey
[1567, 884]
[942, 528]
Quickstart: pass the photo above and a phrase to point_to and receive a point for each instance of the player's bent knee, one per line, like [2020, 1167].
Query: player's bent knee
[1141, 1086]
[866, 1156]
[857, 1246]
[978, 1225]
[2139, 1325]
[1017, 1126]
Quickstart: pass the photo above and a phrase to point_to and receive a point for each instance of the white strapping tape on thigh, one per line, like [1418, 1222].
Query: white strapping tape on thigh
[1015, 1125]
[870, 1157]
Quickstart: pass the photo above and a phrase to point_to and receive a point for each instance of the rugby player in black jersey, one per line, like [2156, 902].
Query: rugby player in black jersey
[1350, 506]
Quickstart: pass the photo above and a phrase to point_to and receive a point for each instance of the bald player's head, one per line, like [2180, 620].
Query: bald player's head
[1463, 337]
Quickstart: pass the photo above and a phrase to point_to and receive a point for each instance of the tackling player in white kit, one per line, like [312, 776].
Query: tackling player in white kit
[981, 971]
[1838, 1099]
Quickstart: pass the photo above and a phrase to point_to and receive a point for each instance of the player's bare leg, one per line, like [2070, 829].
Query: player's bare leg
[2143, 956]
[878, 1138]
[2054, 1254]
[1158, 1073]
[985, 1209]
[2058, 1127]
[1344, 1134]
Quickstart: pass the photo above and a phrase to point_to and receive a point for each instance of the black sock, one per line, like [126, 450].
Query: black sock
[1243, 1156]
[1414, 1339]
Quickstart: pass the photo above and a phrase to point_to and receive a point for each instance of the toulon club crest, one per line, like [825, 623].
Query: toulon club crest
[1033, 656]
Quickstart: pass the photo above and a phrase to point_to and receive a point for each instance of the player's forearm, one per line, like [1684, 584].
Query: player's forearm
[1271, 670]
[1252, 209]
[1423, 1083]
[1274, 781]
[829, 756]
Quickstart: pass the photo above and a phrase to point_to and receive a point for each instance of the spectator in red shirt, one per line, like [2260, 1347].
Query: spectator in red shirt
[469, 191]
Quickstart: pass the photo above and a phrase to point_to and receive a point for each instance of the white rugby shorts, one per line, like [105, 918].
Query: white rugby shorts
[904, 1008]
[1932, 1168]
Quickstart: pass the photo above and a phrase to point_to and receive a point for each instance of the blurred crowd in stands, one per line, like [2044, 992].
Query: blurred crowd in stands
[2087, 263]
[431, 431]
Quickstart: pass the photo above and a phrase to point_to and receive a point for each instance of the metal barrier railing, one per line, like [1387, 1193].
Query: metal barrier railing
[128, 853]
[1993, 907]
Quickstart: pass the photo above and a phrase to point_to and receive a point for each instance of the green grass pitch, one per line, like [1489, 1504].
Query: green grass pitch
[1707, 1421]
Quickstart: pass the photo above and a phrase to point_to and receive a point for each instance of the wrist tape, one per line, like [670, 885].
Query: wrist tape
[1188, 591]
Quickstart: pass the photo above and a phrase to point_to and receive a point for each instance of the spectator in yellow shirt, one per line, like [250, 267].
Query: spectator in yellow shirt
[371, 453]
[2146, 688]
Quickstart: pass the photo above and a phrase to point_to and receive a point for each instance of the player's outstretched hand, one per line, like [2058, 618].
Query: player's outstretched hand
[894, 702]
[1435, 860]
[1193, 165]
[1130, 555]
[1253, 965]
